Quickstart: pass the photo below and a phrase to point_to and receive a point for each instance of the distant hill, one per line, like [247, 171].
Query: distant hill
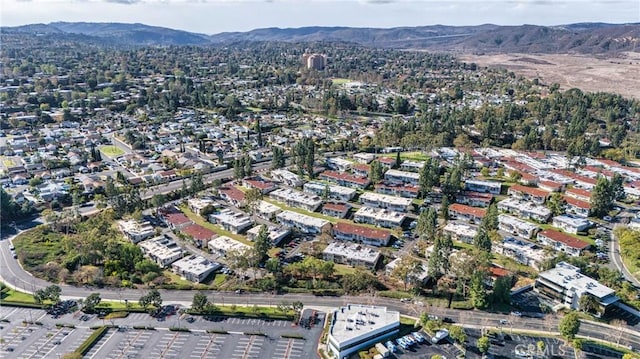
[585, 38]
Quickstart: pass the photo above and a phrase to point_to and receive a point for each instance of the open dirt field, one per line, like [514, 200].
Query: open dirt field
[618, 75]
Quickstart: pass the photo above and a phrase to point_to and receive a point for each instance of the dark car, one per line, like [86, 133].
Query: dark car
[448, 320]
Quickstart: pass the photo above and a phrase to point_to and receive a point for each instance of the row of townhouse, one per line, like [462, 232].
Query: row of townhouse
[339, 193]
[563, 242]
[379, 217]
[393, 203]
[261, 184]
[345, 179]
[571, 224]
[577, 207]
[402, 177]
[287, 177]
[235, 222]
[355, 255]
[517, 226]
[525, 209]
[136, 231]
[336, 209]
[468, 213]
[276, 234]
[298, 199]
[461, 231]
[361, 234]
[303, 223]
[407, 191]
[483, 186]
[531, 194]
[522, 251]
[474, 199]
[222, 245]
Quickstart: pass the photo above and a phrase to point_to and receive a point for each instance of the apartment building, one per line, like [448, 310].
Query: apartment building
[200, 235]
[222, 245]
[194, 268]
[563, 242]
[333, 209]
[393, 203]
[361, 234]
[483, 186]
[461, 231]
[531, 194]
[467, 213]
[276, 234]
[198, 204]
[577, 207]
[339, 193]
[517, 226]
[525, 209]
[571, 224]
[303, 223]
[339, 164]
[235, 222]
[287, 177]
[162, 250]
[136, 231]
[412, 166]
[474, 199]
[402, 177]
[261, 184]
[379, 217]
[345, 179]
[405, 191]
[524, 252]
[298, 199]
[267, 210]
[355, 255]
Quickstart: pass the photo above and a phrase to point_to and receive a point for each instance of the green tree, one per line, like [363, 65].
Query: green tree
[556, 204]
[478, 290]
[358, 280]
[588, 303]
[262, 243]
[200, 302]
[482, 241]
[457, 333]
[277, 160]
[429, 176]
[376, 171]
[91, 302]
[155, 298]
[439, 264]
[483, 344]
[406, 269]
[427, 224]
[490, 221]
[569, 326]
[502, 290]
[253, 197]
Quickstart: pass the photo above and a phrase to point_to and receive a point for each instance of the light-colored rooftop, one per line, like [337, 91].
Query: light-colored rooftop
[353, 251]
[380, 214]
[225, 244]
[383, 198]
[195, 264]
[357, 320]
[302, 219]
[401, 174]
[569, 277]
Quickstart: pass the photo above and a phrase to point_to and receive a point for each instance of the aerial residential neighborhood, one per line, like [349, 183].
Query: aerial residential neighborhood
[310, 199]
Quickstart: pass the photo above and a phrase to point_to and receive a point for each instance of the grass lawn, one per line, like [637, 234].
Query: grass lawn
[254, 109]
[409, 156]
[112, 151]
[38, 246]
[219, 231]
[8, 162]
[340, 81]
[342, 269]
[10, 295]
[118, 306]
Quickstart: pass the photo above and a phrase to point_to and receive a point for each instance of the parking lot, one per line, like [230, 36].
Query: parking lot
[516, 346]
[264, 338]
[23, 338]
[426, 350]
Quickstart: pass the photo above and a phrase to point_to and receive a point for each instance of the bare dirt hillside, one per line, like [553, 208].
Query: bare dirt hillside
[618, 75]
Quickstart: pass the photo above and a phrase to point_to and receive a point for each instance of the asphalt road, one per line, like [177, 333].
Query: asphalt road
[614, 255]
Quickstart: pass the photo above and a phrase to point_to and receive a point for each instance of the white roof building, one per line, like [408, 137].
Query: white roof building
[267, 210]
[378, 200]
[521, 251]
[379, 217]
[566, 284]
[276, 235]
[223, 244]
[136, 231]
[303, 223]
[351, 254]
[396, 176]
[339, 164]
[162, 250]
[525, 209]
[461, 231]
[571, 224]
[287, 177]
[295, 198]
[483, 186]
[359, 326]
[517, 226]
[335, 192]
[194, 268]
[231, 221]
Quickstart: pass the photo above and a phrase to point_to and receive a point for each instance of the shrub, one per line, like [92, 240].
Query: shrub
[116, 315]
[91, 341]
[293, 336]
[216, 331]
[179, 329]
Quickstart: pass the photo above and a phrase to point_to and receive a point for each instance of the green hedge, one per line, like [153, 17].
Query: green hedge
[84, 348]
[293, 336]
[216, 331]
[116, 315]
[179, 329]
[258, 334]
[6, 303]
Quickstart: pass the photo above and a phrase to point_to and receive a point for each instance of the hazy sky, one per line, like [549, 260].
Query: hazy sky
[213, 16]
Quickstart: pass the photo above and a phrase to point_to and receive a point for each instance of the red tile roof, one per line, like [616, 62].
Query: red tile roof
[361, 167]
[579, 192]
[387, 160]
[555, 186]
[361, 231]
[177, 219]
[198, 232]
[232, 193]
[498, 272]
[564, 239]
[260, 184]
[405, 188]
[464, 209]
[345, 177]
[577, 203]
[335, 207]
[532, 191]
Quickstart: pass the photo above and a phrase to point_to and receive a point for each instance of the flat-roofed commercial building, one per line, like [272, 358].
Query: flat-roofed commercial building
[231, 221]
[392, 203]
[517, 226]
[276, 235]
[379, 217]
[395, 176]
[359, 326]
[351, 254]
[562, 242]
[483, 186]
[136, 231]
[303, 223]
[566, 284]
[222, 245]
[162, 250]
[333, 192]
[361, 234]
[298, 199]
[461, 232]
[194, 268]
[525, 209]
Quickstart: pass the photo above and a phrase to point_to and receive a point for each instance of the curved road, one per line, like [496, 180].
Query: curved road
[616, 259]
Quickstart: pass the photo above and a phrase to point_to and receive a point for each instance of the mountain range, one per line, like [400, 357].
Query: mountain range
[584, 38]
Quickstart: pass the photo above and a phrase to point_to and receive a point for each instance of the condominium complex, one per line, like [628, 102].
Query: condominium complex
[352, 254]
[303, 223]
[379, 217]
